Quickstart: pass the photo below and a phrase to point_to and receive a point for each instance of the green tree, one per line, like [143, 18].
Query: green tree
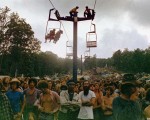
[17, 39]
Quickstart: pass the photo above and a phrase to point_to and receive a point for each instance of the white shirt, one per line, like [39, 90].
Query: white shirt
[86, 112]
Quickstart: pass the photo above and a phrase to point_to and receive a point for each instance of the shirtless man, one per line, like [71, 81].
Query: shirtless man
[107, 104]
[98, 114]
[49, 102]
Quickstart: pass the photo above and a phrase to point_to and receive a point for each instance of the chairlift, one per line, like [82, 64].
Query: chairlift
[52, 33]
[87, 54]
[91, 38]
[69, 49]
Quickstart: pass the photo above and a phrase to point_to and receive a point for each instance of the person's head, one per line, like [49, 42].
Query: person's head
[63, 82]
[92, 87]
[97, 86]
[127, 89]
[86, 87]
[14, 84]
[71, 86]
[6, 81]
[77, 7]
[32, 82]
[21, 83]
[114, 86]
[109, 90]
[76, 88]
[25, 85]
[86, 7]
[43, 86]
[50, 84]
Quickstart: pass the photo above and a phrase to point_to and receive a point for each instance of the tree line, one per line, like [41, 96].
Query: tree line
[135, 61]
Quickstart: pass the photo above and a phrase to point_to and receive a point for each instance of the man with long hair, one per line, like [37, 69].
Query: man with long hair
[87, 99]
[48, 103]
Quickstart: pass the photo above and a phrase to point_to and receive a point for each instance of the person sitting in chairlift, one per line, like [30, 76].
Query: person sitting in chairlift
[50, 35]
[57, 35]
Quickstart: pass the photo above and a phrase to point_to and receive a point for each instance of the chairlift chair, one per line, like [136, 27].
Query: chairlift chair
[51, 32]
[69, 49]
[87, 54]
[91, 38]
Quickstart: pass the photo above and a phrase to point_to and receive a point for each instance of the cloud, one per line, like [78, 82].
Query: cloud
[140, 12]
[115, 39]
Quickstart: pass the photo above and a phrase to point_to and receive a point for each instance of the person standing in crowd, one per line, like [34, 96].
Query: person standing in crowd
[87, 98]
[48, 102]
[98, 103]
[6, 85]
[147, 112]
[50, 85]
[70, 103]
[6, 112]
[73, 11]
[31, 94]
[146, 104]
[124, 107]
[107, 104]
[16, 99]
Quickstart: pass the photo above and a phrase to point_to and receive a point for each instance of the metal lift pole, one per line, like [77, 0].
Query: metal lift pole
[75, 24]
[75, 21]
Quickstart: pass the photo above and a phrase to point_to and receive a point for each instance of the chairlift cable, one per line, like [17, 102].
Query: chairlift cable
[95, 3]
[46, 28]
[93, 9]
[64, 30]
[51, 3]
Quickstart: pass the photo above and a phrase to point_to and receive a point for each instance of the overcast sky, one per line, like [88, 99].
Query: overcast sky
[120, 24]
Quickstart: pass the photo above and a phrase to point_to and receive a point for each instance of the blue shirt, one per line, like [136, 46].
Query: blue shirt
[15, 99]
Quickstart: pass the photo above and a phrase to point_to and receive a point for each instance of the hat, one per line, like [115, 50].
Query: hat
[15, 80]
[71, 83]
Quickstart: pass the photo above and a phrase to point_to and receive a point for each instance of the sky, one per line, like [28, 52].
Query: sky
[120, 24]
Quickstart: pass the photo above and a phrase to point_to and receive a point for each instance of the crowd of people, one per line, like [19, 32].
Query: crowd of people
[63, 99]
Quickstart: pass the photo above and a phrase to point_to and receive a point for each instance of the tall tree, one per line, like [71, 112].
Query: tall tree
[17, 38]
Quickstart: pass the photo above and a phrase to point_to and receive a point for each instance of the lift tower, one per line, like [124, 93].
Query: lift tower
[75, 19]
